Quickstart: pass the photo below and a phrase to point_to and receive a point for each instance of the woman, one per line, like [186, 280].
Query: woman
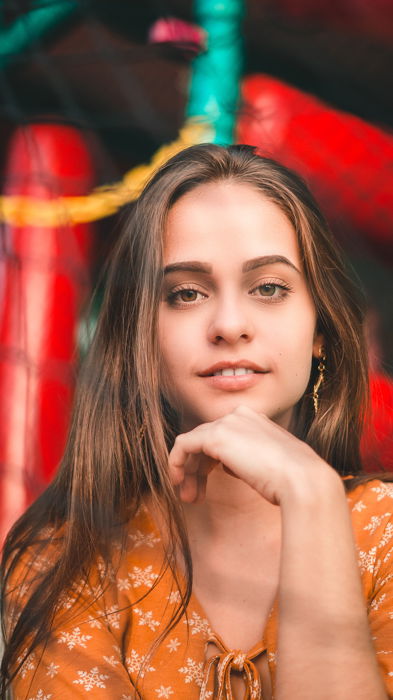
[197, 540]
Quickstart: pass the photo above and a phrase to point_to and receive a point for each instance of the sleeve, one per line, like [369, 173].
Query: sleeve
[82, 659]
[380, 608]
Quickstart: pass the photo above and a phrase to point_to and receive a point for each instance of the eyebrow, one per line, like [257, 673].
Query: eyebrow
[249, 265]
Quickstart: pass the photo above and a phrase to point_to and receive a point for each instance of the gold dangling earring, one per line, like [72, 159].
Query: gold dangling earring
[320, 380]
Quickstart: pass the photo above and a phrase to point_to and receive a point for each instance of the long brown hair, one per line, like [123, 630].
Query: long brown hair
[110, 464]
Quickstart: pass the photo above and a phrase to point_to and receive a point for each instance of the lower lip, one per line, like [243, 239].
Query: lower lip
[234, 382]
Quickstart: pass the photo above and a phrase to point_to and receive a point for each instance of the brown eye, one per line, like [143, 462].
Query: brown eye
[267, 290]
[188, 294]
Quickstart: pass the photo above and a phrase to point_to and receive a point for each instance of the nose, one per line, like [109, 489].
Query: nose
[230, 322]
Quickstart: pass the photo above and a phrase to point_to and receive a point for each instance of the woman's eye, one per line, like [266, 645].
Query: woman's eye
[187, 294]
[184, 296]
[267, 290]
[272, 291]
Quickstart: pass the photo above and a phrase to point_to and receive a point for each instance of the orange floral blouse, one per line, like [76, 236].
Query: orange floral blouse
[100, 649]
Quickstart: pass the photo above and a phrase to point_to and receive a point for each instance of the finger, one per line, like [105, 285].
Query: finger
[188, 490]
[193, 442]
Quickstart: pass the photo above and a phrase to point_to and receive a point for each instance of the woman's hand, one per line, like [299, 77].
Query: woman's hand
[251, 447]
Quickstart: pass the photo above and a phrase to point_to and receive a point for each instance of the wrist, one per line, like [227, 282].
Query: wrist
[317, 484]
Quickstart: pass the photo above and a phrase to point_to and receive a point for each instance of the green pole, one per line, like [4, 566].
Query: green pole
[32, 25]
[215, 77]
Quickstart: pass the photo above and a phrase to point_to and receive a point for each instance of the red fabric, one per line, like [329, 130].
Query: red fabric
[43, 281]
[377, 442]
[346, 161]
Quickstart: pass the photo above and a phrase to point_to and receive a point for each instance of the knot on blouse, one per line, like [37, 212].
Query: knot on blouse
[221, 666]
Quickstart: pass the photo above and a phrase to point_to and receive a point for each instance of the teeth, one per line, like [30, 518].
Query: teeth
[233, 372]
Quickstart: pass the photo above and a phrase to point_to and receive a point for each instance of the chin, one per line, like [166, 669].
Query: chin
[218, 409]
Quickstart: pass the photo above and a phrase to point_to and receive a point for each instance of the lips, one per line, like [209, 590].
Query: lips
[223, 369]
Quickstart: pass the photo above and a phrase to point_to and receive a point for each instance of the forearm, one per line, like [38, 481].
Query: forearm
[324, 645]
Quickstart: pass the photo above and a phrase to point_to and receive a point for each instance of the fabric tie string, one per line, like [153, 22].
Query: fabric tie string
[223, 664]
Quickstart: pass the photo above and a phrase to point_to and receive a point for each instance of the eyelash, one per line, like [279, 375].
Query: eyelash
[174, 301]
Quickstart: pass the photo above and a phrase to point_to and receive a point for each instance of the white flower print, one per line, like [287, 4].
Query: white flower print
[40, 563]
[123, 584]
[106, 572]
[383, 491]
[40, 696]
[52, 669]
[387, 555]
[111, 660]
[91, 679]
[387, 535]
[140, 539]
[163, 692]
[24, 589]
[174, 597]
[375, 522]
[198, 624]
[65, 601]
[74, 638]
[359, 506]
[143, 577]
[135, 661]
[146, 618]
[94, 622]
[28, 664]
[375, 605]
[173, 644]
[382, 581]
[367, 560]
[193, 671]
[113, 617]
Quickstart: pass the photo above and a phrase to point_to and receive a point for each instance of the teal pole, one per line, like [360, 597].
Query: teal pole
[31, 26]
[215, 76]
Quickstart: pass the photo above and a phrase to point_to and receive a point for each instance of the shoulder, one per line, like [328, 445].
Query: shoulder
[371, 498]
[371, 508]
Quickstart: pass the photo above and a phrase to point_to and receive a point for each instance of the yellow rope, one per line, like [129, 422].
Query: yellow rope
[103, 201]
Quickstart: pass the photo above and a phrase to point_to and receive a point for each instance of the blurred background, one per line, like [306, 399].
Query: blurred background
[95, 94]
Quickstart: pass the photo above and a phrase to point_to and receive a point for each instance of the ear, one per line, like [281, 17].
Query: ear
[318, 343]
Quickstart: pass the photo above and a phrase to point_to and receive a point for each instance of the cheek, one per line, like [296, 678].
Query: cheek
[173, 348]
[294, 342]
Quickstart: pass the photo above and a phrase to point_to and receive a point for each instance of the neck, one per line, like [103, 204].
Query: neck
[230, 510]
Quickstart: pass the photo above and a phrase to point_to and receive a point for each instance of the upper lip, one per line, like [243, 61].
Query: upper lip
[230, 364]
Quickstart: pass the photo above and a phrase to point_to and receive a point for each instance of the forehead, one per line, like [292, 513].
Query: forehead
[222, 217]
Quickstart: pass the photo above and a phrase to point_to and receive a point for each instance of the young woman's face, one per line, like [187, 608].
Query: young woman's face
[237, 324]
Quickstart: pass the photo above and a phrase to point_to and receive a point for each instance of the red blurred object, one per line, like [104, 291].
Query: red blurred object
[346, 161]
[377, 442]
[44, 278]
